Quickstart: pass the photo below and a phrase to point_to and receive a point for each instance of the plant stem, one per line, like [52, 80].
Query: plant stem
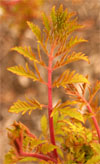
[39, 156]
[19, 147]
[51, 126]
[94, 120]
[93, 117]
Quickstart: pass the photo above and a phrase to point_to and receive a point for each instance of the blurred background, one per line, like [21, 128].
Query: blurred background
[15, 32]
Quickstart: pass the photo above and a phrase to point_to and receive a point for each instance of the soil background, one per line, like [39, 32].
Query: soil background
[13, 87]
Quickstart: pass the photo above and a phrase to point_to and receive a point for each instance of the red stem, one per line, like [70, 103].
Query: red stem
[94, 120]
[51, 126]
[39, 156]
[93, 117]
[19, 141]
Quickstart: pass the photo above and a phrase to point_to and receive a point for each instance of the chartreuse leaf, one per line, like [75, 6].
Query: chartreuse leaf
[75, 57]
[27, 52]
[68, 77]
[72, 112]
[69, 111]
[66, 59]
[76, 129]
[47, 148]
[46, 22]
[73, 41]
[19, 70]
[23, 106]
[36, 30]
[53, 16]
[28, 159]
[44, 123]
[31, 144]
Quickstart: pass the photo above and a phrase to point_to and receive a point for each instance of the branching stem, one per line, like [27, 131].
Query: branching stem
[39, 156]
[93, 116]
[19, 146]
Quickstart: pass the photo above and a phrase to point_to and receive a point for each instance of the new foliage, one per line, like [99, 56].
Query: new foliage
[64, 138]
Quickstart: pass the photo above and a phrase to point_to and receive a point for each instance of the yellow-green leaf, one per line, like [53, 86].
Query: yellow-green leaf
[19, 70]
[68, 77]
[53, 15]
[73, 41]
[36, 30]
[44, 124]
[72, 112]
[23, 106]
[75, 57]
[47, 148]
[46, 22]
[27, 52]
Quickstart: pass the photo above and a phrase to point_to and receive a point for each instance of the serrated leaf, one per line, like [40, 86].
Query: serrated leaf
[27, 52]
[73, 41]
[76, 129]
[46, 22]
[23, 106]
[60, 105]
[36, 30]
[44, 124]
[19, 70]
[73, 113]
[53, 15]
[35, 142]
[68, 102]
[68, 77]
[75, 57]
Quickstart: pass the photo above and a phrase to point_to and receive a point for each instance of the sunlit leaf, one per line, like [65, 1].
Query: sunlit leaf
[46, 22]
[19, 70]
[36, 30]
[44, 123]
[27, 52]
[23, 106]
[68, 77]
[47, 147]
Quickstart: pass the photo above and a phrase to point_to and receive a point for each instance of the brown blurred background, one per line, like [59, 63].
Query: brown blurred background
[15, 32]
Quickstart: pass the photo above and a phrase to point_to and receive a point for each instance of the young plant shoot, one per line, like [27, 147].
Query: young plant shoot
[65, 138]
